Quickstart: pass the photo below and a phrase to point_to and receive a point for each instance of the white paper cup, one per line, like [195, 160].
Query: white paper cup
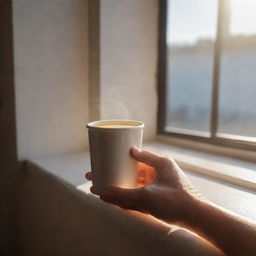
[110, 144]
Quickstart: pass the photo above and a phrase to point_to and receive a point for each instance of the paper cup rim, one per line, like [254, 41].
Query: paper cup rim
[93, 125]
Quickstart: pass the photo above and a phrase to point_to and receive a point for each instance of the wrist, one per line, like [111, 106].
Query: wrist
[192, 211]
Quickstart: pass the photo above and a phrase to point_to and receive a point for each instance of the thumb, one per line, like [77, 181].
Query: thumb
[146, 157]
[132, 199]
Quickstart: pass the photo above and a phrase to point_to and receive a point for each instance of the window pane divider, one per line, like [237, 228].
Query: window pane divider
[162, 66]
[216, 71]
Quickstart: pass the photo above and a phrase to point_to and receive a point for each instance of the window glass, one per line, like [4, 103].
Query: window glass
[191, 32]
[237, 89]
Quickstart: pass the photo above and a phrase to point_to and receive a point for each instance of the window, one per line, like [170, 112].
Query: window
[207, 71]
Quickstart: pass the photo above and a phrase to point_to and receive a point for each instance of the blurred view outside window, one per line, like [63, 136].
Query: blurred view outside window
[190, 38]
[237, 96]
[191, 32]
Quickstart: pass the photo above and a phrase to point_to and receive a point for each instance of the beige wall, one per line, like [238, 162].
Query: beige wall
[50, 41]
[129, 61]
[51, 70]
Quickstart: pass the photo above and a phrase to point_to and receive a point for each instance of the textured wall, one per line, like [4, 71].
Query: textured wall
[50, 75]
[129, 61]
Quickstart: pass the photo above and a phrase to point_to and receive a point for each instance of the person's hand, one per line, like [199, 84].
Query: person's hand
[163, 189]
[165, 192]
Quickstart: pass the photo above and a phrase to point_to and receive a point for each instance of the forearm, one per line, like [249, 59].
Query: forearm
[232, 234]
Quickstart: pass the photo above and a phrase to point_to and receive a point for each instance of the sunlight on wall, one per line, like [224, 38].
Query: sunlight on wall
[129, 61]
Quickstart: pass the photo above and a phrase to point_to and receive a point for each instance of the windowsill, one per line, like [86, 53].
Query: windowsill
[212, 150]
[85, 219]
[228, 182]
[228, 169]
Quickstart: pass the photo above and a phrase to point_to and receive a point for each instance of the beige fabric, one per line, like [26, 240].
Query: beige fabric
[55, 218]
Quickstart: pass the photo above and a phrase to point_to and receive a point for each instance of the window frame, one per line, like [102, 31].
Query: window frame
[227, 140]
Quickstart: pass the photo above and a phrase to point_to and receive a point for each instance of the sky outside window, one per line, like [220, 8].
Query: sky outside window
[189, 21]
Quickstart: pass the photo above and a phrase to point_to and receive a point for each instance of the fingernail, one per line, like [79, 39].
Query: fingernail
[135, 151]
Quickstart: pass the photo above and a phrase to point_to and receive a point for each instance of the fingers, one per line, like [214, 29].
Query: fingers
[146, 174]
[145, 156]
[92, 190]
[133, 199]
[163, 167]
[88, 175]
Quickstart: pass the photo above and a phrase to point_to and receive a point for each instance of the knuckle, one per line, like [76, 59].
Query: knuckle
[167, 161]
[171, 160]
